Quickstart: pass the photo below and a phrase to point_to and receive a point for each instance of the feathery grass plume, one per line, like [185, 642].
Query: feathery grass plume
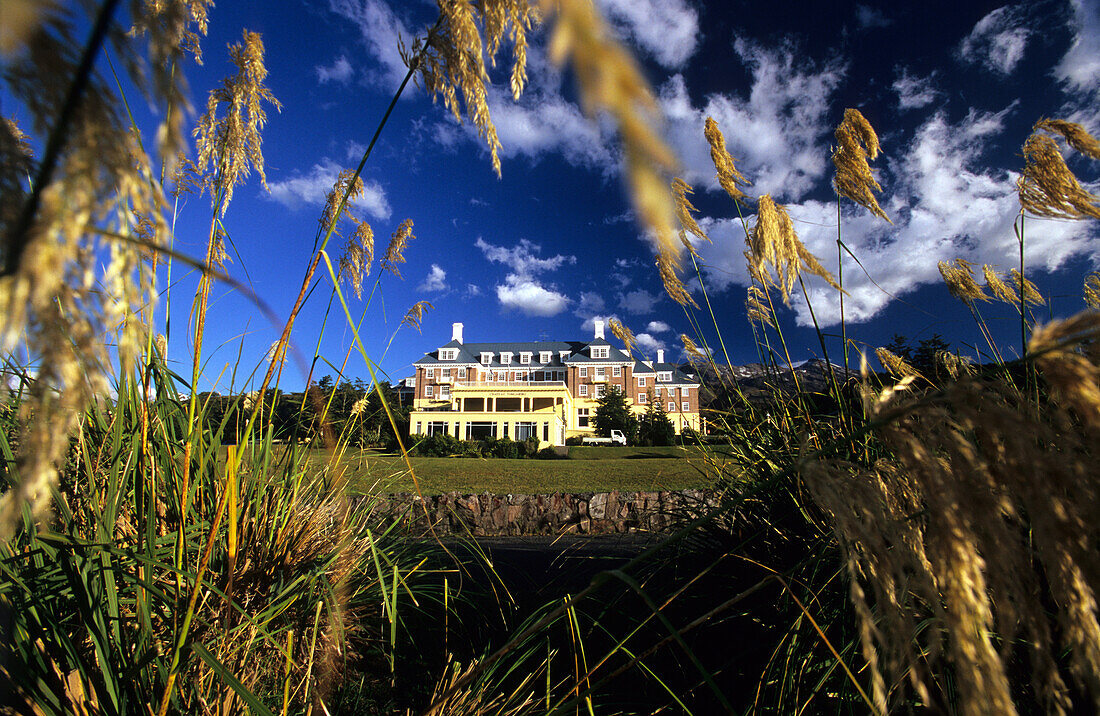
[695, 355]
[1075, 135]
[856, 142]
[894, 363]
[666, 267]
[358, 250]
[452, 57]
[16, 162]
[996, 285]
[959, 278]
[684, 208]
[416, 314]
[756, 306]
[49, 295]
[624, 334]
[174, 28]
[1030, 291]
[728, 176]
[955, 366]
[609, 80]
[1047, 187]
[773, 242]
[1092, 289]
[229, 146]
[395, 252]
[976, 548]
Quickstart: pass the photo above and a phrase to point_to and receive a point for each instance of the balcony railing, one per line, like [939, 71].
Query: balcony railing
[509, 384]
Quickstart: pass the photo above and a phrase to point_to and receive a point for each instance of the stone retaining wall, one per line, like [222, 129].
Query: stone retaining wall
[559, 513]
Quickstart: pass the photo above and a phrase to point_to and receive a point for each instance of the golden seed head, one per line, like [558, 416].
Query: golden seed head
[1075, 135]
[728, 176]
[416, 314]
[1092, 289]
[959, 278]
[1030, 291]
[623, 333]
[684, 208]
[229, 146]
[996, 285]
[774, 244]
[693, 351]
[666, 267]
[856, 142]
[897, 365]
[395, 251]
[1048, 188]
[757, 308]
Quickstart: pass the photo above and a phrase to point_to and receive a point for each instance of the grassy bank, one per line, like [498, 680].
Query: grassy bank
[591, 470]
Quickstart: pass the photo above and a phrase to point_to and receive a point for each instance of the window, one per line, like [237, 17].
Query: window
[582, 417]
[672, 406]
[479, 431]
[641, 381]
[562, 355]
[462, 372]
[506, 357]
[430, 372]
[600, 351]
[686, 407]
[657, 391]
[598, 391]
[444, 392]
[684, 392]
[435, 427]
[526, 430]
[641, 398]
[444, 372]
[525, 358]
[584, 371]
[583, 390]
[664, 376]
[600, 371]
[429, 391]
[544, 356]
[486, 358]
[617, 371]
[448, 353]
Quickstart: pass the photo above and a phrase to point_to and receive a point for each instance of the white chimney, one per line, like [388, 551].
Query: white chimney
[598, 324]
[660, 355]
[456, 332]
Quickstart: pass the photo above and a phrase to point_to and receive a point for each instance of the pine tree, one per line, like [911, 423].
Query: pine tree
[613, 413]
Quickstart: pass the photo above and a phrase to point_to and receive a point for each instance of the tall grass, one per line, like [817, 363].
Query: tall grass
[922, 541]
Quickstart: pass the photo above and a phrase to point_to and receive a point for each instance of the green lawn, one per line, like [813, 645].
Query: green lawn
[589, 469]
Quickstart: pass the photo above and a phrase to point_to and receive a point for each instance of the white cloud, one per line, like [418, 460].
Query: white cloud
[379, 29]
[667, 30]
[778, 134]
[914, 92]
[647, 344]
[945, 205]
[590, 304]
[520, 290]
[657, 327]
[472, 289]
[530, 297]
[997, 41]
[1080, 66]
[436, 280]
[639, 302]
[313, 187]
[340, 72]
[870, 18]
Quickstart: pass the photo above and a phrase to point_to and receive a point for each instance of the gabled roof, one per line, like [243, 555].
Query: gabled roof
[471, 353]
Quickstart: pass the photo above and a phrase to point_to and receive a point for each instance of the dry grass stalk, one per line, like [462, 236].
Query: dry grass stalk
[757, 308]
[1092, 290]
[894, 363]
[666, 267]
[996, 285]
[774, 243]
[416, 314]
[729, 177]
[1047, 187]
[358, 251]
[856, 142]
[1030, 291]
[229, 146]
[623, 333]
[395, 252]
[694, 353]
[684, 209]
[982, 525]
[959, 277]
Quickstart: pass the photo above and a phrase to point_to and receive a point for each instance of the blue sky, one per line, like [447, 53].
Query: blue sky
[951, 88]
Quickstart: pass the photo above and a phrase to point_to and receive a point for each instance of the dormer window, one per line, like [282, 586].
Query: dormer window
[448, 353]
[544, 356]
[506, 358]
[600, 351]
[664, 376]
[486, 358]
[525, 358]
[562, 355]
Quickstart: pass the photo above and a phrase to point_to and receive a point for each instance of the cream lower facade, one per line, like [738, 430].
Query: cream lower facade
[473, 410]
